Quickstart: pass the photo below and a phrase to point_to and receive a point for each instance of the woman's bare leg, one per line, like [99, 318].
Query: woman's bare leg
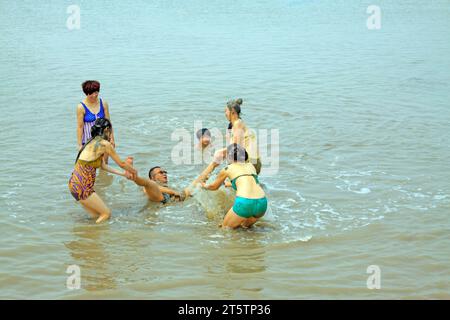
[96, 204]
[94, 214]
[232, 220]
[249, 222]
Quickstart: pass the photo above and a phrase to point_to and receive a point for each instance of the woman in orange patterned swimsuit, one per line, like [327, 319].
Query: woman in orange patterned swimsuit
[90, 157]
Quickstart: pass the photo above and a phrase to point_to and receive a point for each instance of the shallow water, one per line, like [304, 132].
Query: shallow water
[364, 145]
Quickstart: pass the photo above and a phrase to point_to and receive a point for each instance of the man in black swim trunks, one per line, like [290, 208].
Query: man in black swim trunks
[156, 187]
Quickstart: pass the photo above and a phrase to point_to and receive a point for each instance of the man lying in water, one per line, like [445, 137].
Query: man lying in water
[156, 187]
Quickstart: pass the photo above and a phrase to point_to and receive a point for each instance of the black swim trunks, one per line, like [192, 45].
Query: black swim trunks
[166, 198]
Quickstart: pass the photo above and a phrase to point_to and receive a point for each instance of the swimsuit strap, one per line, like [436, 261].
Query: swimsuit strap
[101, 112]
[86, 109]
[233, 182]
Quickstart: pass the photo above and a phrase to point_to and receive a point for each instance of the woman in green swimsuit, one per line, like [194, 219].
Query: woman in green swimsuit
[251, 202]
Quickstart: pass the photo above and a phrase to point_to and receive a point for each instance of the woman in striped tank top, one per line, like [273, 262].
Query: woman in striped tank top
[89, 110]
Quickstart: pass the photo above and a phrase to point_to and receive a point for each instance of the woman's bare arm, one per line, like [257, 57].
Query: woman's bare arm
[80, 123]
[112, 170]
[238, 132]
[219, 181]
[108, 116]
[109, 149]
[219, 155]
[205, 174]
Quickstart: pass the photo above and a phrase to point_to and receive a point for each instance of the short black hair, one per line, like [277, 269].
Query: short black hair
[98, 129]
[151, 170]
[203, 132]
[100, 125]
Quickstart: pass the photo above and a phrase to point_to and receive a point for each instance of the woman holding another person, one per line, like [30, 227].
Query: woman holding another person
[251, 202]
[90, 157]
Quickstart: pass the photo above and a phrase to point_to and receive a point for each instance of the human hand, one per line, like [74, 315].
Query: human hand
[131, 174]
[128, 173]
[187, 192]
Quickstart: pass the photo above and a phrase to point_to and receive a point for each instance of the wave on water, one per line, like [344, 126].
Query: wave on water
[215, 204]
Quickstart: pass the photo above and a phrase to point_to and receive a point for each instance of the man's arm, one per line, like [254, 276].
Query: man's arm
[169, 191]
[142, 182]
[151, 188]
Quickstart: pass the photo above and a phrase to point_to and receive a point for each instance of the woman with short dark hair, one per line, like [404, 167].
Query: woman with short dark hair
[89, 110]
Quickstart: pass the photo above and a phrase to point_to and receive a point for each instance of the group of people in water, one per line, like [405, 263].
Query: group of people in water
[96, 144]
